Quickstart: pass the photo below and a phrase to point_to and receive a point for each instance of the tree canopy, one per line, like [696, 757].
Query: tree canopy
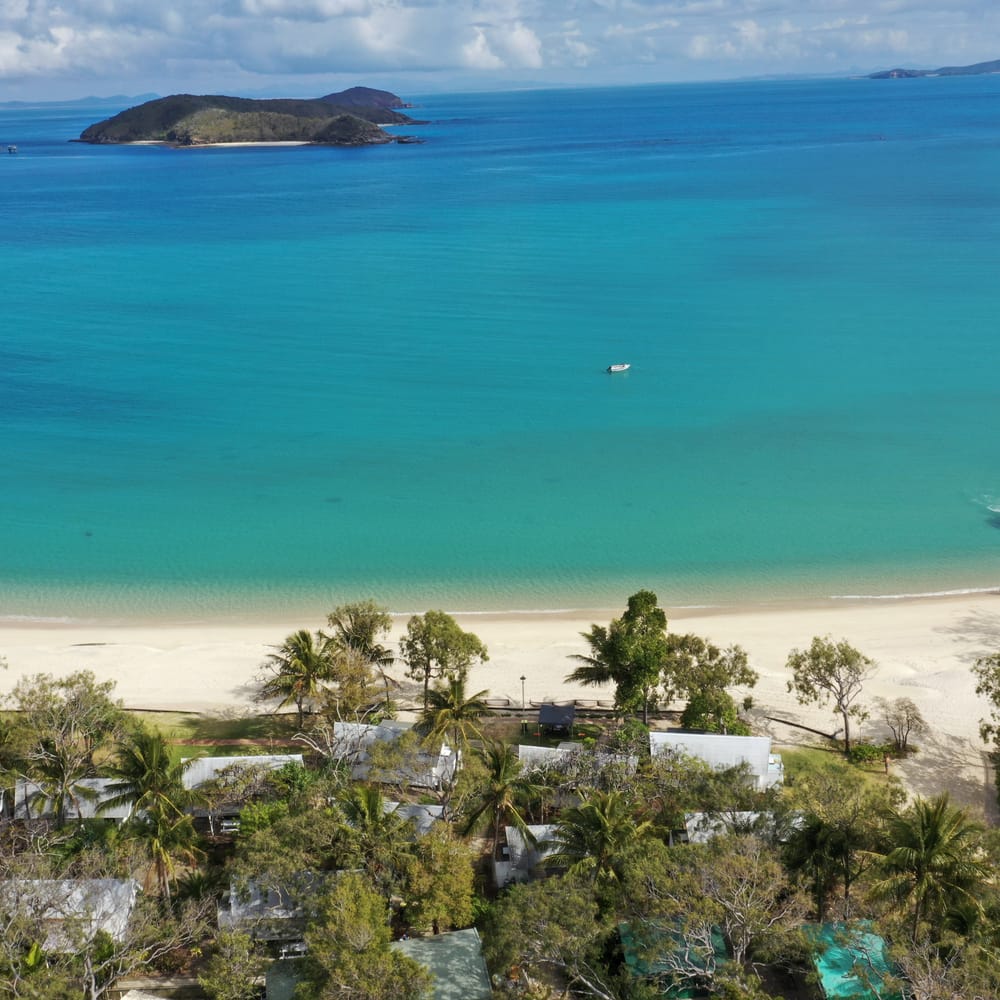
[435, 646]
[630, 652]
[834, 673]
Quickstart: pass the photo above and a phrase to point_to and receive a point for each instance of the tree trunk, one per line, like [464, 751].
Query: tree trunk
[847, 732]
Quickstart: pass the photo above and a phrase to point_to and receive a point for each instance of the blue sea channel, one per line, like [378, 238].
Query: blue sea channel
[238, 381]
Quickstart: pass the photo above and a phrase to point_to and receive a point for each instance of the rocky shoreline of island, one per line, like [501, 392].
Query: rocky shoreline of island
[358, 116]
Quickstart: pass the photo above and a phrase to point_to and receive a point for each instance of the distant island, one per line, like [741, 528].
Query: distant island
[350, 118]
[974, 70]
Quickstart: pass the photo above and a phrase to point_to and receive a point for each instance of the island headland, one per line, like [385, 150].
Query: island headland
[976, 69]
[352, 117]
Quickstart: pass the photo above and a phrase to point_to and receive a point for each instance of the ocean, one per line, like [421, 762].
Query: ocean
[255, 381]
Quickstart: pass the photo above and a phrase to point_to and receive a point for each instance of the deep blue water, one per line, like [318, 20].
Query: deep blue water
[238, 380]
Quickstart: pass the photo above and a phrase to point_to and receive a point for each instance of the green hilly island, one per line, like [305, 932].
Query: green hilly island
[350, 118]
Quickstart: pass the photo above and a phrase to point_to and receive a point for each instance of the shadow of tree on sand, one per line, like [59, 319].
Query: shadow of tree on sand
[951, 764]
[978, 631]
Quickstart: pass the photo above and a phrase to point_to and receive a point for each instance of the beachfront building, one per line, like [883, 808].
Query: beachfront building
[723, 752]
[231, 778]
[67, 911]
[355, 742]
[851, 962]
[568, 758]
[202, 770]
[455, 960]
[419, 816]
[569, 767]
[700, 827]
[268, 912]
[85, 800]
[521, 857]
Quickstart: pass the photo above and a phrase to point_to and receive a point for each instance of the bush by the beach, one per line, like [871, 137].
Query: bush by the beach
[869, 753]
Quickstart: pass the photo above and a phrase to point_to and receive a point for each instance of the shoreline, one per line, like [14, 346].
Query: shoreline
[281, 617]
[923, 647]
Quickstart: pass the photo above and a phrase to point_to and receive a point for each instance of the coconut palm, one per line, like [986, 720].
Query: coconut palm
[297, 670]
[506, 791]
[381, 837]
[146, 777]
[452, 714]
[631, 651]
[935, 864]
[167, 840]
[359, 626]
[58, 785]
[358, 629]
[595, 835]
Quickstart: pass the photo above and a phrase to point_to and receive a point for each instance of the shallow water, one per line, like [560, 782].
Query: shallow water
[239, 380]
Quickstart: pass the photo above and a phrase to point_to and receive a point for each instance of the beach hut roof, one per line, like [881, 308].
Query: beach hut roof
[203, 769]
[32, 802]
[422, 817]
[71, 907]
[455, 960]
[722, 751]
[838, 949]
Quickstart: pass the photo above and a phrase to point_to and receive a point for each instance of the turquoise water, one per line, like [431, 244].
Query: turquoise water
[245, 380]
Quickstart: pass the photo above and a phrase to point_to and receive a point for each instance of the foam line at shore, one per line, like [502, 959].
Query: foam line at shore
[964, 592]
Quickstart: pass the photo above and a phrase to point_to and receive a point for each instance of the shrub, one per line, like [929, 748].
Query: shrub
[869, 753]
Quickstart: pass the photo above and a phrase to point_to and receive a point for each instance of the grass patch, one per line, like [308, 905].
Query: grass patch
[510, 730]
[802, 762]
[206, 728]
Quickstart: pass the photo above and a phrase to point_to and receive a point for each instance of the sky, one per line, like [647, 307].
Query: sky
[67, 49]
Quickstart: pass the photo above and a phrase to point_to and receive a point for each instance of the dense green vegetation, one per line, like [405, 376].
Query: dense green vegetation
[350, 118]
[619, 906]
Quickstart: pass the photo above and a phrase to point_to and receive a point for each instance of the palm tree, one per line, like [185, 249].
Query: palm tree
[381, 837]
[166, 840]
[595, 835]
[58, 780]
[631, 651]
[357, 628]
[505, 792]
[298, 668]
[147, 778]
[450, 713]
[935, 864]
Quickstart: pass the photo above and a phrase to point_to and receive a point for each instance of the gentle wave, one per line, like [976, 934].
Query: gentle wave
[964, 592]
[40, 620]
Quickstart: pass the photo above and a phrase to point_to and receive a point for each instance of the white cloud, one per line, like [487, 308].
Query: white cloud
[309, 10]
[477, 53]
[519, 44]
[190, 44]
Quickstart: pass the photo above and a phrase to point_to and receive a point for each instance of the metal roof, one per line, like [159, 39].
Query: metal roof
[455, 960]
[68, 907]
[32, 802]
[204, 769]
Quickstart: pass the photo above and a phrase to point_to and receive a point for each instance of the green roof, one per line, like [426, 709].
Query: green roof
[846, 956]
[455, 960]
[638, 942]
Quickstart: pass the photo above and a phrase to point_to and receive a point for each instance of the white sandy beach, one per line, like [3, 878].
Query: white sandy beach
[923, 648]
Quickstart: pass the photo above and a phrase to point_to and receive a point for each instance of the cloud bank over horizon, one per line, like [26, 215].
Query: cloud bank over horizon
[98, 46]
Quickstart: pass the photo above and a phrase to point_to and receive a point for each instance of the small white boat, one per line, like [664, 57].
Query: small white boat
[618, 368]
[12, 149]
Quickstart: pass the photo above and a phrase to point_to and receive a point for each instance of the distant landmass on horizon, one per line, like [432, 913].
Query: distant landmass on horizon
[351, 117]
[975, 69]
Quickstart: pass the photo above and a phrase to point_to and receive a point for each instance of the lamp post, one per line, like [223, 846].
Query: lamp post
[522, 693]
